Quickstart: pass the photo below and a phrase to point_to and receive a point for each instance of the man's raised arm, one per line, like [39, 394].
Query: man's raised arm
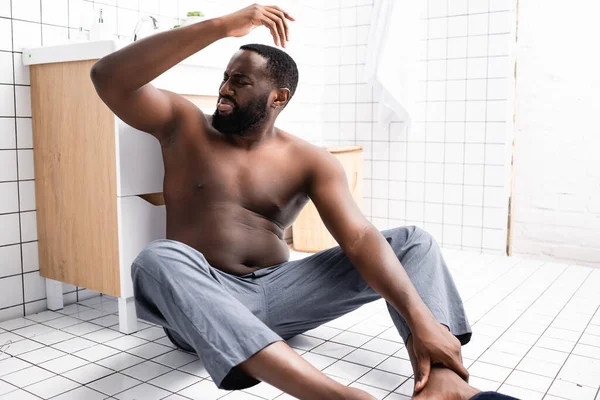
[122, 78]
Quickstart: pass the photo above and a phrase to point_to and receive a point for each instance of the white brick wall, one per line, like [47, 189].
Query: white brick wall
[557, 140]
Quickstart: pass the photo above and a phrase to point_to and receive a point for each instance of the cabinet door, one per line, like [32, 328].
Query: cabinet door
[76, 189]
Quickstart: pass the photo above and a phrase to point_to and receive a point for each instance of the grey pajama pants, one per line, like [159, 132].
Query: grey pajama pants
[225, 319]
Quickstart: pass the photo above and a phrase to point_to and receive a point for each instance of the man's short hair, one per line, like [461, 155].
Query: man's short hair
[280, 66]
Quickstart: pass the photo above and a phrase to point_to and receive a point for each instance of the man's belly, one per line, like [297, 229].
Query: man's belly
[233, 245]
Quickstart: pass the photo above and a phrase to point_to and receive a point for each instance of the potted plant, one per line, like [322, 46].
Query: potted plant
[193, 17]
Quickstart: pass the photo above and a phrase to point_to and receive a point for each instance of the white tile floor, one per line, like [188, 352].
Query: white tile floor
[536, 335]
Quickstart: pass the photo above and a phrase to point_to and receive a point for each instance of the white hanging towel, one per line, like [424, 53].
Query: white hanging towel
[392, 57]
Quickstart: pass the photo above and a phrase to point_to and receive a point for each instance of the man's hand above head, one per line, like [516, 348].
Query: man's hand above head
[241, 22]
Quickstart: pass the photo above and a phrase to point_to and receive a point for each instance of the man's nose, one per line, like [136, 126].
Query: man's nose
[225, 89]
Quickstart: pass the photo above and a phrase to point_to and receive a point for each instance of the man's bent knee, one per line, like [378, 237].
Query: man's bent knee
[422, 235]
[149, 260]
[413, 233]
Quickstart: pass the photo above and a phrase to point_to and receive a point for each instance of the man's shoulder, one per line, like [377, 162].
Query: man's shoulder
[305, 156]
[302, 148]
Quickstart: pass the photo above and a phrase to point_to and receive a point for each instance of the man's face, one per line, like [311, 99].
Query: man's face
[243, 95]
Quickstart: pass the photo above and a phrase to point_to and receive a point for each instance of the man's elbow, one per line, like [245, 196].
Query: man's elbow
[96, 75]
[100, 76]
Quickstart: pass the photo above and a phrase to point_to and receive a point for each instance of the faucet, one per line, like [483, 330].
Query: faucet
[141, 22]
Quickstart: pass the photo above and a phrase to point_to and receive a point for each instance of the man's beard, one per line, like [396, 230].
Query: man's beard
[241, 121]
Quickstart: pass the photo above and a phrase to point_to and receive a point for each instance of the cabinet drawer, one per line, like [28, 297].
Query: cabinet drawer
[140, 164]
[140, 222]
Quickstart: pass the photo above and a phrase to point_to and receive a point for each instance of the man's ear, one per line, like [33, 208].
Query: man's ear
[283, 96]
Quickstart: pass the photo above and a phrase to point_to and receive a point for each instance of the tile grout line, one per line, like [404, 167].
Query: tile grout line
[96, 363]
[424, 202]
[516, 265]
[17, 159]
[533, 345]
[375, 367]
[462, 216]
[371, 369]
[120, 352]
[467, 14]
[442, 235]
[357, 348]
[501, 300]
[580, 336]
[540, 336]
[487, 52]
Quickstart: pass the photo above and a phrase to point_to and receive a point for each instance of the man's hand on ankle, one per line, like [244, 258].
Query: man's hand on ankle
[434, 344]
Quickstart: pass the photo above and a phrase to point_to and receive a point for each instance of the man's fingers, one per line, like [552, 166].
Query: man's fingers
[281, 16]
[266, 21]
[285, 13]
[279, 24]
[424, 367]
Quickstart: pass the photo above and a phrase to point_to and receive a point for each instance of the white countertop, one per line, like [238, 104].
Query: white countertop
[71, 52]
[93, 50]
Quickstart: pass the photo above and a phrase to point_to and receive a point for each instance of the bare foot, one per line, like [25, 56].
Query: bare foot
[357, 394]
[444, 384]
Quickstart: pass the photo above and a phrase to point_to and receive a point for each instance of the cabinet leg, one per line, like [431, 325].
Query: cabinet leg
[127, 315]
[54, 294]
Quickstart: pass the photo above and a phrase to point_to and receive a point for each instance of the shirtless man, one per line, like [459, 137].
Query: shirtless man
[221, 283]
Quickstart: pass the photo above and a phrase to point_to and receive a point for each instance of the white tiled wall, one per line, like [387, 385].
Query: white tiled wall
[448, 173]
[44, 22]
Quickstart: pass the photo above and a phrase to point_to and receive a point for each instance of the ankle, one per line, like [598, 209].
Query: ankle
[447, 382]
